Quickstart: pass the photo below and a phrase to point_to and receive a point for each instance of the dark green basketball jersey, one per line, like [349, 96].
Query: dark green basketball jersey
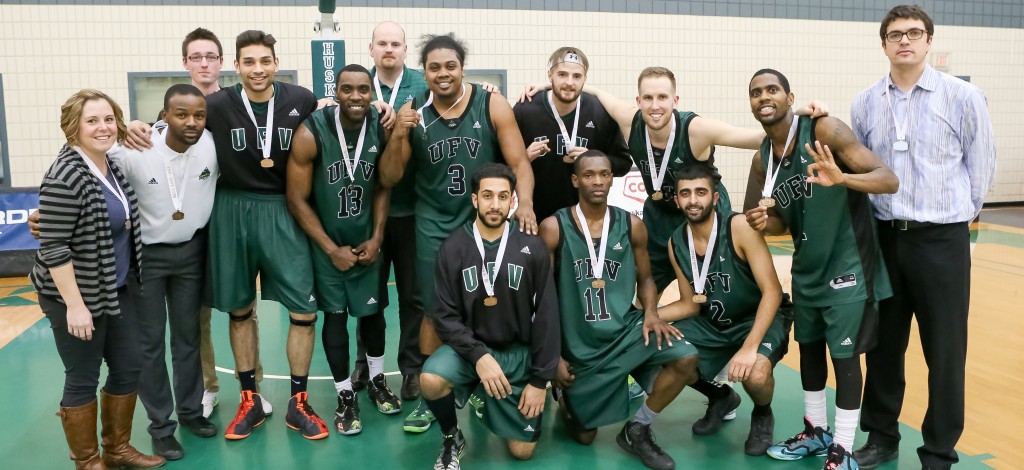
[837, 258]
[444, 156]
[733, 293]
[595, 320]
[344, 205]
[682, 157]
[403, 196]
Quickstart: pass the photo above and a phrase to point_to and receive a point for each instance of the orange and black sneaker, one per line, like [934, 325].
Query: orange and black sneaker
[250, 414]
[302, 418]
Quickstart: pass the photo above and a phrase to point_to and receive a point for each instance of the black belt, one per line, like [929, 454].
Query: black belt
[904, 225]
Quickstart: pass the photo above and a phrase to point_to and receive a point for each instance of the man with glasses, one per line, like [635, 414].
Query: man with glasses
[913, 115]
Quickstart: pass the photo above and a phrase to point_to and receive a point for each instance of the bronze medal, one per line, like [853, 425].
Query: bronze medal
[267, 163]
[491, 301]
[657, 196]
[699, 298]
[177, 215]
[128, 224]
[597, 284]
[766, 202]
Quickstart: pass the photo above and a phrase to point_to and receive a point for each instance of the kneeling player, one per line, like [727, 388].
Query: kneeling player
[496, 312]
[728, 293]
[602, 262]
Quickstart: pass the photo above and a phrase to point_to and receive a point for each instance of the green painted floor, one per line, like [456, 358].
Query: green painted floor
[30, 437]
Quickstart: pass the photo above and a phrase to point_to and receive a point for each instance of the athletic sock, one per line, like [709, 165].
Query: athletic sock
[814, 408]
[343, 385]
[762, 410]
[846, 427]
[645, 415]
[248, 380]
[444, 410]
[375, 364]
[710, 388]
[299, 384]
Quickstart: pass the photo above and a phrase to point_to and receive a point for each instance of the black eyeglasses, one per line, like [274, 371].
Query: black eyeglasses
[897, 36]
[199, 58]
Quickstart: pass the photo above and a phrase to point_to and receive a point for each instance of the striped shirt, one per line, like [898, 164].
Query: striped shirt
[951, 159]
[74, 227]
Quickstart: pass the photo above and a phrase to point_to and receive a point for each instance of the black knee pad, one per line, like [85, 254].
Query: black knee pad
[298, 322]
[243, 317]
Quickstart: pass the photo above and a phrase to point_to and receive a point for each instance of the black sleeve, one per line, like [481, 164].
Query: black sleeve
[618, 151]
[546, 341]
[450, 326]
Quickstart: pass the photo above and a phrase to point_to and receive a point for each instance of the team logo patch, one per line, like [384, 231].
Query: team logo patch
[205, 174]
[844, 281]
[677, 160]
[372, 301]
[312, 299]
[294, 112]
[846, 342]
[528, 428]
[525, 250]
[617, 247]
[767, 345]
[152, 181]
[590, 124]
[372, 149]
[476, 125]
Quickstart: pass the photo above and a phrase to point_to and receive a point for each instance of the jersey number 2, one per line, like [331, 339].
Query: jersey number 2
[597, 308]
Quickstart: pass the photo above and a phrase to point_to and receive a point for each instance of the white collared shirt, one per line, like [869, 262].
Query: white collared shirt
[145, 171]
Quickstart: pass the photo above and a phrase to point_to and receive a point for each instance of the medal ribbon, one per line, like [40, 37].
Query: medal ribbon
[269, 137]
[901, 127]
[484, 272]
[570, 141]
[596, 260]
[114, 188]
[350, 166]
[176, 197]
[699, 278]
[771, 176]
[394, 89]
[658, 176]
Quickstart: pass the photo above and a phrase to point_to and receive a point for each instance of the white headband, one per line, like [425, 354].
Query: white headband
[570, 57]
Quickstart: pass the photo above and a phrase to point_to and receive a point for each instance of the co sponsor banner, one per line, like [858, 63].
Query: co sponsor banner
[14, 210]
[629, 193]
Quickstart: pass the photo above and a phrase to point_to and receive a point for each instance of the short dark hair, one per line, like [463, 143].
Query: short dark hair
[782, 78]
[200, 34]
[700, 170]
[592, 153]
[492, 170]
[254, 37]
[354, 68]
[431, 42]
[181, 89]
[913, 12]
[655, 72]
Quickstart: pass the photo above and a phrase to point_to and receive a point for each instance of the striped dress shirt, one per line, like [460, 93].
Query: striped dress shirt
[74, 228]
[951, 159]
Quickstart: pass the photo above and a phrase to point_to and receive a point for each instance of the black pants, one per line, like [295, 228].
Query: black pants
[930, 270]
[399, 247]
[172, 286]
[114, 340]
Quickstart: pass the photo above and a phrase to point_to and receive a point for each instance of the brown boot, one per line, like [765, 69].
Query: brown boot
[80, 431]
[116, 415]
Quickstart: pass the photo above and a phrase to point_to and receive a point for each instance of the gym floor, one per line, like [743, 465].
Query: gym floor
[31, 437]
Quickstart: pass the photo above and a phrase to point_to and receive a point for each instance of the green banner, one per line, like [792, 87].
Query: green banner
[328, 58]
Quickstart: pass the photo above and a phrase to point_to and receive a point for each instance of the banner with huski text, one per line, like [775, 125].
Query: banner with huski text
[328, 58]
[15, 207]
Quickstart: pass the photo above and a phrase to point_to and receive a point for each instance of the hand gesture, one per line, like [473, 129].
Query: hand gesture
[527, 219]
[367, 251]
[757, 218]
[387, 114]
[564, 378]
[824, 170]
[490, 88]
[813, 109]
[343, 258]
[532, 90]
[531, 403]
[537, 149]
[662, 331]
[492, 377]
[407, 119]
[574, 154]
[138, 136]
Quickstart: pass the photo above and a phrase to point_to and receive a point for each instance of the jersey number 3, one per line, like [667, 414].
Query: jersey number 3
[458, 181]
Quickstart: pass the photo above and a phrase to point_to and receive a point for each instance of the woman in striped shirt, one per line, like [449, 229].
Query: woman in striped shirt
[88, 253]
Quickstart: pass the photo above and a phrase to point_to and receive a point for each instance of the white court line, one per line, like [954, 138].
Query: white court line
[288, 377]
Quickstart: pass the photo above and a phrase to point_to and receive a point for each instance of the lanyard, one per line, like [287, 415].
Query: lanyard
[658, 176]
[484, 272]
[114, 188]
[699, 277]
[394, 89]
[430, 100]
[350, 166]
[176, 197]
[268, 137]
[901, 127]
[570, 141]
[596, 259]
[771, 176]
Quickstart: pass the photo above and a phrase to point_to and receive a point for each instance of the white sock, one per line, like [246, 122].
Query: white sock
[814, 408]
[376, 365]
[846, 427]
[645, 415]
[343, 385]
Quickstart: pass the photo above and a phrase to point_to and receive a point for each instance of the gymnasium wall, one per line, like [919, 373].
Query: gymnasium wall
[52, 50]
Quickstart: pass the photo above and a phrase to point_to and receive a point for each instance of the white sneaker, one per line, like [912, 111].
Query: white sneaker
[267, 409]
[209, 402]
